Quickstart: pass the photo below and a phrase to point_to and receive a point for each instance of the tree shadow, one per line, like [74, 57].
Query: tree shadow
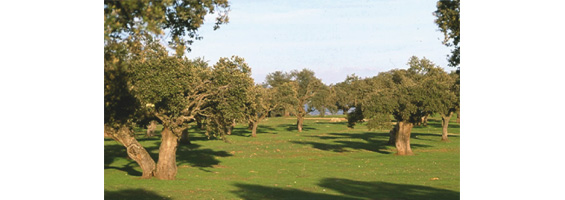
[375, 142]
[342, 123]
[349, 189]
[294, 127]
[435, 123]
[261, 129]
[113, 152]
[256, 192]
[134, 194]
[384, 190]
[437, 135]
[202, 158]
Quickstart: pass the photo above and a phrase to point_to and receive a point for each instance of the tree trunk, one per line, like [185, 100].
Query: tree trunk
[254, 130]
[134, 150]
[425, 120]
[403, 138]
[286, 113]
[184, 139]
[300, 121]
[445, 123]
[458, 116]
[392, 133]
[167, 164]
[151, 128]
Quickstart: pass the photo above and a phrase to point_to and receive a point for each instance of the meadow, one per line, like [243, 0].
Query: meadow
[325, 161]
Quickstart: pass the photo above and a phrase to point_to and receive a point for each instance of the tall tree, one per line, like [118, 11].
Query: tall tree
[447, 14]
[174, 90]
[133, 31]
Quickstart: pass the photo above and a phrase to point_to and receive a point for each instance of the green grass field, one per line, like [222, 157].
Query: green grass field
[326, 161]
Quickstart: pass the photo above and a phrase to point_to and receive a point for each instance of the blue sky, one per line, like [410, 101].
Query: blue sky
[332, 38]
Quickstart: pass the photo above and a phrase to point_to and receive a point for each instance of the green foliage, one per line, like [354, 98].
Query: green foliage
[231, 79]
[125, 19]
[120, 105]
[323, 99]
[406, 95]
[277, 78]
[447, 14]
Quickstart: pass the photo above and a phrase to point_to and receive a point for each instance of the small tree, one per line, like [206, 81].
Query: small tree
[278, 79]
[306, 85]
[324, 99]
[263, 101]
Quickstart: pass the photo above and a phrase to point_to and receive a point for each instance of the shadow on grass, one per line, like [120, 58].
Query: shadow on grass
[191, 154]
[294, 127]
[436, 123]
[113, 152]
[342, 123]
[384, 190]
[133, 194]
[194, 156]
[437, 136]
[340, 142]
[349, 189]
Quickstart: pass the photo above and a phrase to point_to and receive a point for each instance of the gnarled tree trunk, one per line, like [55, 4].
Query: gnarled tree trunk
[167, 163]
[403, 138]
[134, 150]
[444, 124]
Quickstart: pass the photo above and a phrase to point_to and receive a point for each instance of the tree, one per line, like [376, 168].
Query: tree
[306, 86]
[278, 79]
[121, 106]
[346, 93]
[447, 14]
[324, 99]
[262, 101]
[441, 89]
[231, 78]
[404, 95]
[132, 40]
[173, 90]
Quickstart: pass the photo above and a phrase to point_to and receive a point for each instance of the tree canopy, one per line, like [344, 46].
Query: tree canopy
[447, 14]
[124, 20]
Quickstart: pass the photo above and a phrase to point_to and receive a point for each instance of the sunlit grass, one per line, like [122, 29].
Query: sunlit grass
[326, 161]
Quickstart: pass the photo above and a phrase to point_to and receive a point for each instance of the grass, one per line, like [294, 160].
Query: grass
[326, 161]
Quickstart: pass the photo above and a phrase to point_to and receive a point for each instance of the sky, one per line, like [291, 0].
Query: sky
[332, 38]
